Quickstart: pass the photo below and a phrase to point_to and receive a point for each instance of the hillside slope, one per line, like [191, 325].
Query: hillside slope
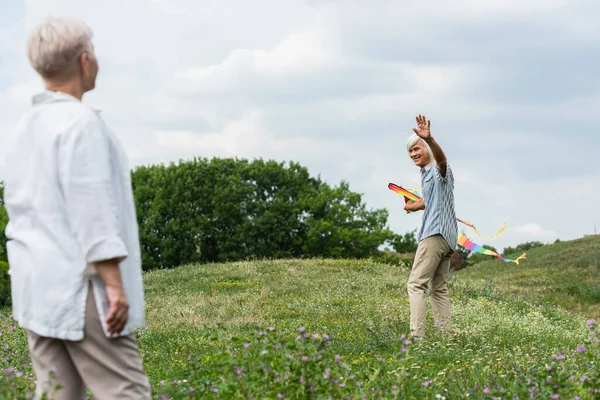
[318, 329]
[565, 273]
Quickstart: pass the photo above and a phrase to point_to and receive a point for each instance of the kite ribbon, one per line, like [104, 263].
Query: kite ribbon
[462, 240]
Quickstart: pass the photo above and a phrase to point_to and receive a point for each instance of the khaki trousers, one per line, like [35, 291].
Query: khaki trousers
[110, 368]
[431, 265]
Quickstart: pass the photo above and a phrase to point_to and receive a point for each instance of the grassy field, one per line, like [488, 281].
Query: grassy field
[565, 273]
[336, 329]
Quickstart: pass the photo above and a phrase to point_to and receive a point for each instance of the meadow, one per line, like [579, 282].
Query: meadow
[338, 329]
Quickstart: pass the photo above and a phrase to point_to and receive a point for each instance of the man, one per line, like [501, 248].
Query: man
[73, 244]
[438, 234]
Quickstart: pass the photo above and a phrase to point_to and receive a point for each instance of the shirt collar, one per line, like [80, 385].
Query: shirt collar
[426, 168]
[50, 96]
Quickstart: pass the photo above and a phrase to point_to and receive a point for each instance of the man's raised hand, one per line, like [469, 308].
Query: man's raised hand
[423, 129]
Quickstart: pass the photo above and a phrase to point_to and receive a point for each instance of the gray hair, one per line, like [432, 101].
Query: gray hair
[414, 139]
[54, 45]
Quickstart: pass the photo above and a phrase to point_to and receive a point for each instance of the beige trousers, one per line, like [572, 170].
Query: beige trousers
[110, 368]
[431, 266]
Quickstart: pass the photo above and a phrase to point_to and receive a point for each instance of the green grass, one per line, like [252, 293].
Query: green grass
[208, 332]
[565, 273]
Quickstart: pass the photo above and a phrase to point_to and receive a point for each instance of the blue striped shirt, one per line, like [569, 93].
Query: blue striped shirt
[439, 217]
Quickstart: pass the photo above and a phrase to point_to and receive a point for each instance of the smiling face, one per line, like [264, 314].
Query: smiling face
[419, 154]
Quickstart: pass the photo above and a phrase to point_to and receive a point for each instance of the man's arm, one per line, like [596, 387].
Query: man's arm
[416, 206]
[438, 155]
[423, 130]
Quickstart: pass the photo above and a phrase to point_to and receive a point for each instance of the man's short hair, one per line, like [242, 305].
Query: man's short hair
[55, 44]
[414, 139]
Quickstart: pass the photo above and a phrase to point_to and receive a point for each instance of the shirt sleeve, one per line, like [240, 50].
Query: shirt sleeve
[85, 170]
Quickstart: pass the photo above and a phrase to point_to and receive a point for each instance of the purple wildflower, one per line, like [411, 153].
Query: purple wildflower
[316, 335]
[549, 367]
[358, 383]
[264, 352]
[277, 346]
[246, 345]
[591, 323]
[326, 374]
[162, 382]
[337, 357]
[9, 370]
[486, 390]
[301, 329]
[302, 379]
[342, 385]
[404, 350]
[554, 396]
[271, 328]
[580, 348]
[216, 390]
[305, 358]
[427, 383]
[558, 357]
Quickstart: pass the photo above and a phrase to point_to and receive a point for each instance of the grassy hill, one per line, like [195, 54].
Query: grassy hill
[324, 328]
[564, 273]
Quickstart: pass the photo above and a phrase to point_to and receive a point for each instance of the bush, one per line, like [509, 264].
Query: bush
[4, 285]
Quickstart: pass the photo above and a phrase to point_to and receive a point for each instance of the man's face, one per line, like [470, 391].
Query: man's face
[419, 154]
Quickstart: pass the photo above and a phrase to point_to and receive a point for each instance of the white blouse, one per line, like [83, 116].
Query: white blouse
[69, 200]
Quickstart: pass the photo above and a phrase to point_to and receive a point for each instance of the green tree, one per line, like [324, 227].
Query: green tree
[232, 209]
[406, 243]
[510, 252]
[339, 225]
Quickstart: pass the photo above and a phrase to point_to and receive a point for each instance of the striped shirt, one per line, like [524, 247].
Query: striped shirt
[439, 217]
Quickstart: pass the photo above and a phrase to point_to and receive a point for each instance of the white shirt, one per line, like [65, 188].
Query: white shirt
[69, 200]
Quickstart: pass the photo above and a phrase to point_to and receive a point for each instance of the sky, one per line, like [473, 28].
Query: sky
[511, 87]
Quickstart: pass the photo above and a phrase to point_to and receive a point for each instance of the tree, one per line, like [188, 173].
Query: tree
[406, 243]
[511, 252]
[231, 209]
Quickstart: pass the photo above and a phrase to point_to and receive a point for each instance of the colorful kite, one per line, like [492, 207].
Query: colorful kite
[462, 240]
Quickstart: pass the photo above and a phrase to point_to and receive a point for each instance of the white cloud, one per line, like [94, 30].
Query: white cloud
[536, 232]
[335, 86]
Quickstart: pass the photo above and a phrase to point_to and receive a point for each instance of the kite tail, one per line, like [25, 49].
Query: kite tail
[474, 247]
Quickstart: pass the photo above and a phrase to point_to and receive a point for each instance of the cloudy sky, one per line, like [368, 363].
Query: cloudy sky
[512, 88]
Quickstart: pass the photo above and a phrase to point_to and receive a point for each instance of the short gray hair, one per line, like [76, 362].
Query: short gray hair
[54, 45]
[414, 139]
